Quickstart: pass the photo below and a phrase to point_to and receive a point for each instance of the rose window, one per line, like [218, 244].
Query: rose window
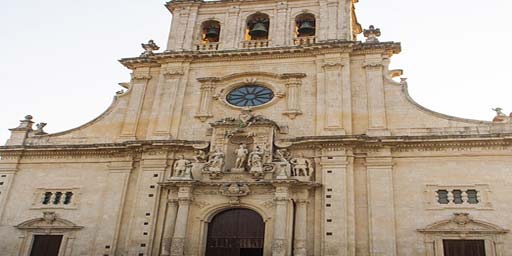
[250, 96]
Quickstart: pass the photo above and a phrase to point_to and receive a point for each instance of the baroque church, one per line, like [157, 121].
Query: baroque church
[263, 129]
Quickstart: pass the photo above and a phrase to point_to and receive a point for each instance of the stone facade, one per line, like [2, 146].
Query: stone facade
[339, 161]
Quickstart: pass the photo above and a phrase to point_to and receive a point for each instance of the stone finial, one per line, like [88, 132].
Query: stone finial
[25, 124]
[149, 48]
[40, 127]
[372, 34]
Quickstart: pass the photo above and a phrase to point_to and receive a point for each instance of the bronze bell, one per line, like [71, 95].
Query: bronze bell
[306, 29]
[212, 34]
[259, 30]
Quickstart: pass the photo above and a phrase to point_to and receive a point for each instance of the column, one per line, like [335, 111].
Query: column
[170, 221]
[205, 102]
[281, 199]
[230, 31]
[301, 230]
[377, 123]
[140, 79]
[381, 205]
[165, 101]
[293, 85]
[180, 229]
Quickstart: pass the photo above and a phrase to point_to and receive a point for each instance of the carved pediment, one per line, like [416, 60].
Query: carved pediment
[465, 224]
[49, 221]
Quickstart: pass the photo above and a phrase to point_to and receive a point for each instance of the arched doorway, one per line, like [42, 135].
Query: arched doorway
[236, 232]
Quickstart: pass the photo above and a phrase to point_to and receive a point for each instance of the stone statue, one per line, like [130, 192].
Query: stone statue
[182, 168]
[216, 162]
[499, 111]
[200, 156]
[283, 164]
[500, 116]
[241, 156]
[301, 166]
[256, 161]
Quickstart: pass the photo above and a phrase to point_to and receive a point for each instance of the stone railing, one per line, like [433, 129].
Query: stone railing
[207, 46]
[255, 44]
[304, 40]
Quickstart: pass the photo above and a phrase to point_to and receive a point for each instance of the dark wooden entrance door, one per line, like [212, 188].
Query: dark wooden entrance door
[464, 247]
[46, 245]
[236, 232]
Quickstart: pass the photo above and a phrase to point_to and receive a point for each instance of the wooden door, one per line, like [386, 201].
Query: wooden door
[236, 232]
[45, 245]
[464, 247]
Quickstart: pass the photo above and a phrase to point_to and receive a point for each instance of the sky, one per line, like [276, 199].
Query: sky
[59, 57]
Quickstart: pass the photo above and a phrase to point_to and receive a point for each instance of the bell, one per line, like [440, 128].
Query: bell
[212, 33]
[306, 29]
[259, 30]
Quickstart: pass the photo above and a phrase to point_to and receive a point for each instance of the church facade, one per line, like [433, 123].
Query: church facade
[264, 128]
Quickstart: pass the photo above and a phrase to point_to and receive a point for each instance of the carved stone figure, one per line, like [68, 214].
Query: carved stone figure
[256, 162]
[500, 116]
[241, 156]
[283, 165]
[215, 165]
[200, 156]
[302, 167]
[182, 168]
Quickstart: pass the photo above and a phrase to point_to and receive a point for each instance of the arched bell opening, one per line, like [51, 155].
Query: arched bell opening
[210, 31]
[236, 232]
[258, 27]
[305, 25]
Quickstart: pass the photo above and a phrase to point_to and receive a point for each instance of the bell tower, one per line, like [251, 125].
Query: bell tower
[229, 25]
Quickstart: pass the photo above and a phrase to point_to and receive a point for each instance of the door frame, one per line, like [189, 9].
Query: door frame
[212, 212]
[49, 224]
[463, 227]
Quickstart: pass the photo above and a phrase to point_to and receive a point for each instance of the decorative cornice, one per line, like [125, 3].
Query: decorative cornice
[322, 47]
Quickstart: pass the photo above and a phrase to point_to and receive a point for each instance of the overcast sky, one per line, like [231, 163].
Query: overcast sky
[58, 58]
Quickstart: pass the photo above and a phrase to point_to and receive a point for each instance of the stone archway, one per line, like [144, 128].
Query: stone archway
[236, 232]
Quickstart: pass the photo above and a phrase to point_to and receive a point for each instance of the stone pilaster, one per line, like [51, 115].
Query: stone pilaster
[105, 242]
[140, 80]
[164, 104]
[205, 102]
[180, 228]
[338, 204]
[170, 222]
[293, 85]
[278, 38]
[8, 169]
[282, 200]
[381, 205]
[377, 123]
[335, 95]
[230, 33]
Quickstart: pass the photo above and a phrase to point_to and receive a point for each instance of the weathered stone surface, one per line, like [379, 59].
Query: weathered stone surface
[341, 145]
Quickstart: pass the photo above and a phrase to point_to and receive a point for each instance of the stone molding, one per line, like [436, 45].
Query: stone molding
[332, 46]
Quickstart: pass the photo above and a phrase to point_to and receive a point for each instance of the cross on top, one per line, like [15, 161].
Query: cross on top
[372, 34]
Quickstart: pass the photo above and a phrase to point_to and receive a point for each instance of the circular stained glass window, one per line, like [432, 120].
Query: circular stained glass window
[250, 96]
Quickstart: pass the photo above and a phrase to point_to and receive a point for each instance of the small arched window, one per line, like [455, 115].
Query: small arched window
[258, 26]
[210, 31]
[305, 25]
